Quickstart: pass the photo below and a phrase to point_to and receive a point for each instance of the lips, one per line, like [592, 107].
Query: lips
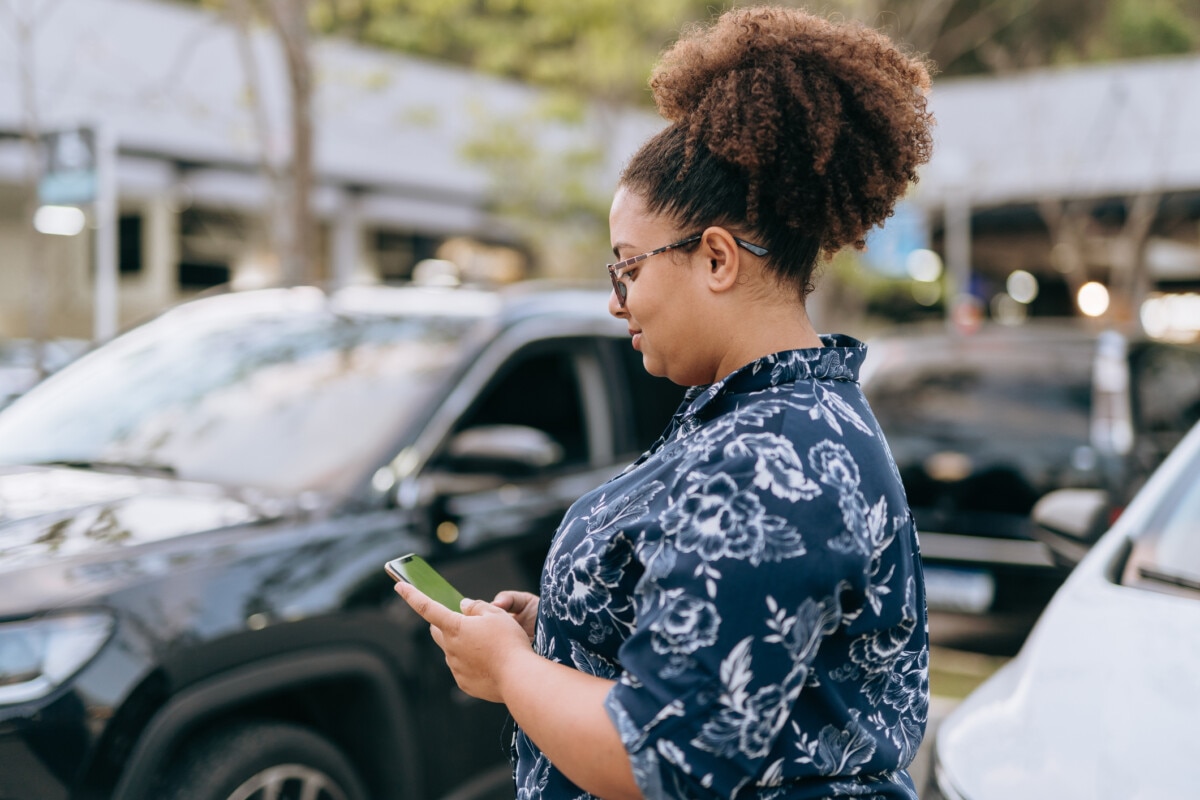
[637, 339]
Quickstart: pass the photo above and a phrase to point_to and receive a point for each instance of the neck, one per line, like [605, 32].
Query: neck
[764, 330]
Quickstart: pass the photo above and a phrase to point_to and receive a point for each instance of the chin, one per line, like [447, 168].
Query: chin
[655, 367]
[660, 370]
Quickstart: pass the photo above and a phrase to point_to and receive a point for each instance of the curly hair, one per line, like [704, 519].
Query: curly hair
[797, 129]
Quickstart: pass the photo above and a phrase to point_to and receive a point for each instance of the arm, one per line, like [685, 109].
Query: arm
[560, 708]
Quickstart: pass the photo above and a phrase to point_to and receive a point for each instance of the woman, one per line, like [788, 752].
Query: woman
[741, 612]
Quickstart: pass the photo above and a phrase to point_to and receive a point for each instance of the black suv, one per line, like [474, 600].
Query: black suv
[194, 520]
[983, 425]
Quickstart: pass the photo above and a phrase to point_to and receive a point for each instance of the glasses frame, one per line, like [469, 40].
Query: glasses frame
[616, 271]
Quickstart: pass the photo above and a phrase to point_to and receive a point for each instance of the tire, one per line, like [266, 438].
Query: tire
[258, 760]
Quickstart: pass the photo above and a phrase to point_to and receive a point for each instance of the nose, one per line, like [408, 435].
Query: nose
[615, 308]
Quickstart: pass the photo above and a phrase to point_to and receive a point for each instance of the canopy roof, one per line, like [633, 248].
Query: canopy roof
[168, 82]
[1087, 131]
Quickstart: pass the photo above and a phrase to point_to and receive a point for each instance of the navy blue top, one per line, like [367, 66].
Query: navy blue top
[753, 584]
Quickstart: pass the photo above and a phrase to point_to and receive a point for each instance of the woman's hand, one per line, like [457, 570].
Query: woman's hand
[523, 607]
[480, 644]
[562, 709]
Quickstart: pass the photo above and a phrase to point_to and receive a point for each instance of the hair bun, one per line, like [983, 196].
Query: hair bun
[828, 121]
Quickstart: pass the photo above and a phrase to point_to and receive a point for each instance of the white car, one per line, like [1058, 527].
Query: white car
[18, 363]
[1104, 698]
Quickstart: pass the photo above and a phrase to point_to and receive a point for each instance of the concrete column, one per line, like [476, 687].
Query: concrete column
[962, 310]
[346, 241]
[161, 257]
[106, 278]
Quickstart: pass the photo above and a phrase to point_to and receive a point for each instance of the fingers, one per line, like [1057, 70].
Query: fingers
[478, 608]
[514, 602]
[429, 610]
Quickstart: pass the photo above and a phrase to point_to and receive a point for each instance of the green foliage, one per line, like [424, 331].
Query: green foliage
[597, 54]
[1138, 28]
[605, 49]
[602, 48]
[552, 196]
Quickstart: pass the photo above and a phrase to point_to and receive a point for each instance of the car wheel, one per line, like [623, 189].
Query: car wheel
[261, 761]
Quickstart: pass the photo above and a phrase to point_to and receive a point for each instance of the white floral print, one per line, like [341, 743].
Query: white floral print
[752, 584]
[685, 625]
[777, 468]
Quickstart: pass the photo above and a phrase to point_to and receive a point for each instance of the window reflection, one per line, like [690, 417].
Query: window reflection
[284, 396]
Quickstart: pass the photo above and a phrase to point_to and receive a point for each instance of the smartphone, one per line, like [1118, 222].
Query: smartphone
[416, 570]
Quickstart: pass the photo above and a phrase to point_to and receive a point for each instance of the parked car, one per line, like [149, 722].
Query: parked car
[19, 368]
[194, 519]
[1103, 698]
[983, 425]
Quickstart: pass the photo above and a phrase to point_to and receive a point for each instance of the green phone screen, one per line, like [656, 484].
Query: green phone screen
[416, 570]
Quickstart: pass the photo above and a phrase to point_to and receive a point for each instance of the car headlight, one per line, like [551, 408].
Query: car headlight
[38, 655]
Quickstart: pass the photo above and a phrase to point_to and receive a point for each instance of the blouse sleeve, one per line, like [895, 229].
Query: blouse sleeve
[756, 559]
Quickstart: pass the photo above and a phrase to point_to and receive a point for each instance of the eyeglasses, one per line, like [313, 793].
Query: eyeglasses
[615, 270]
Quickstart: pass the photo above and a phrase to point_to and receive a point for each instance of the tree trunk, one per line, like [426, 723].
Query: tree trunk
[1129, 255]
[1067, 222]
[36, 265]
[290, 19]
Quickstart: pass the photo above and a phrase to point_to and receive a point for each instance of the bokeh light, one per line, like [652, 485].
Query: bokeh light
[59, 220]
[924, 265]
[1022, 286]
[927, 294]
[1092, 299]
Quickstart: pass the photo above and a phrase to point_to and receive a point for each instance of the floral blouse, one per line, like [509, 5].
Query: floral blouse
[753, 585]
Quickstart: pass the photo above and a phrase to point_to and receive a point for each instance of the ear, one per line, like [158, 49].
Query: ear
[722, 259]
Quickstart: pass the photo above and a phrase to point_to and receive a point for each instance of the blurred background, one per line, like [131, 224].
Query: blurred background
[151, 150]
[1033, 305]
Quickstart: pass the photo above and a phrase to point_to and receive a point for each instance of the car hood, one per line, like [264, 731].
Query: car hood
[48, 514]
[1101, 702]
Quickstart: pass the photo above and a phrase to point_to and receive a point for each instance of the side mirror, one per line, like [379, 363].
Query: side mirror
[1069, 521]
[504, 449]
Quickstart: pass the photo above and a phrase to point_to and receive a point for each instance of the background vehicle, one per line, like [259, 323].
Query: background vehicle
[984, 425]
[1103, 698]
[194, 520]
[18, 363]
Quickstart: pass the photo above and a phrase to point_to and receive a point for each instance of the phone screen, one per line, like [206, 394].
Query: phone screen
[416, 570]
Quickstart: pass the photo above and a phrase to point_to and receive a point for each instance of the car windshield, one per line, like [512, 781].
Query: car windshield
[283, 390]
[985, 395]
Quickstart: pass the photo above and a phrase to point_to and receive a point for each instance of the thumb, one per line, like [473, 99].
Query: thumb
[478, 608]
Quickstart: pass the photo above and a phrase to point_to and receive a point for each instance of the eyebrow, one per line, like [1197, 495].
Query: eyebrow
[617, 248]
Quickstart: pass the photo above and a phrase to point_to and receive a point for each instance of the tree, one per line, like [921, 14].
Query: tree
[26, 19]
[291, 229]
[597, 55]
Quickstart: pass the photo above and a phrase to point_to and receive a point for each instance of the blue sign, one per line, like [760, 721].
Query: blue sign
[902, 233]
[69, 168]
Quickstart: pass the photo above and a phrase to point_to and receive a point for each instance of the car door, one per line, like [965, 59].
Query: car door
[556, 388]
[492, 519]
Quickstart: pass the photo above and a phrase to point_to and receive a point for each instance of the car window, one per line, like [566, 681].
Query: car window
[538, 388]
[1167, 392]
[304, 397]
[1167, 555]
[984, 396]
[650, 403]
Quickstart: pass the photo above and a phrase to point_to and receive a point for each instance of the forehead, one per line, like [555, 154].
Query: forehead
[630, 223]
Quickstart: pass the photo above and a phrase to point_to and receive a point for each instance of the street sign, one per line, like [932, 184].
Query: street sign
[902, 233]
[69, 168]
